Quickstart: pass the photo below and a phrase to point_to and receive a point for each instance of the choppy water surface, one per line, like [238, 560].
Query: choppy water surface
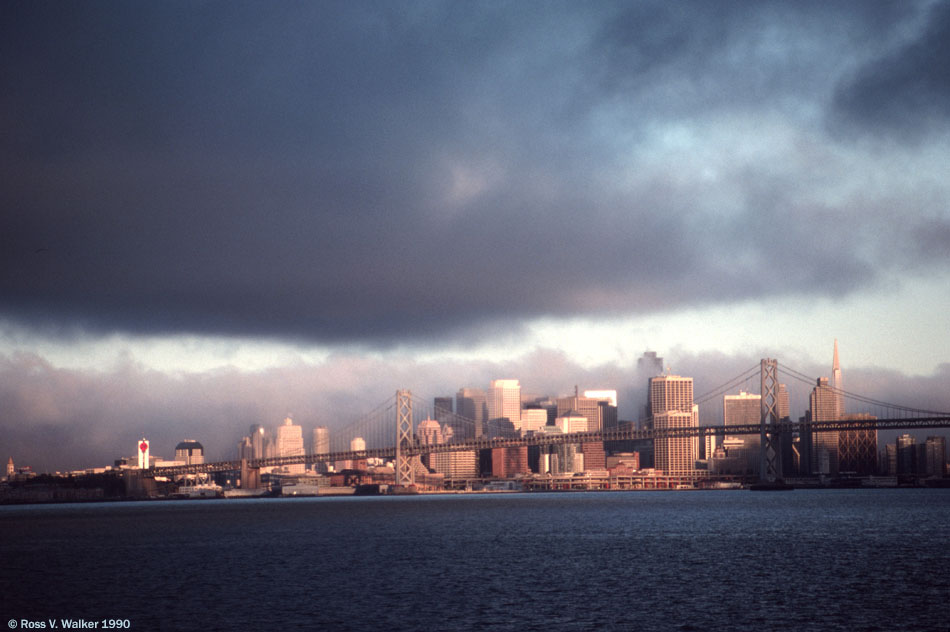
[723, 560]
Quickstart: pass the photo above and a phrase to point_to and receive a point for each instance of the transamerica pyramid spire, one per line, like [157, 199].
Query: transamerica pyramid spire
[836, 381]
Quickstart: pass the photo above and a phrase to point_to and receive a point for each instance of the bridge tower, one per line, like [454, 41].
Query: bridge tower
[405, 476]
[770, 469]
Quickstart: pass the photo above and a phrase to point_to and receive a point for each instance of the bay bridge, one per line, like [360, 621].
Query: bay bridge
[389, 431]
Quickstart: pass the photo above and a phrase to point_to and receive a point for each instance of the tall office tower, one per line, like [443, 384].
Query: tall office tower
[245, 449]
[823, 406]
[671, 406]
[857, 449]
[740, 410]
[471, 406]
[321, 445]
[533, 419]
[442, 409]
[649, 364]
[709, 446]
[670, 393]
[589, 407]
[782, 402]
[935, 455]
[290, 443]
[890, 459]
[261, 442]
[190, 451]
[504, 401]
[906, 454]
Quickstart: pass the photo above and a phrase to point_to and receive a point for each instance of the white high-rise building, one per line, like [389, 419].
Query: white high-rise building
[143, 454]
[671, 406]
[290, 443]
[504, 400]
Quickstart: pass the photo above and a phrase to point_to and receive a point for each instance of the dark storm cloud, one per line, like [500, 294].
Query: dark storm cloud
[337, 172]
[904, 92]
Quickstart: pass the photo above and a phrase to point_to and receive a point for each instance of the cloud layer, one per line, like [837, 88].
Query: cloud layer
[385, 172]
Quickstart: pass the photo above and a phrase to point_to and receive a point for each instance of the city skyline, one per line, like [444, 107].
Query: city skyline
[213, 217]
[219, 435]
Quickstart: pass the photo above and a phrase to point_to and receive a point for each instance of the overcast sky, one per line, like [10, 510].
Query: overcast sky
[194, 190]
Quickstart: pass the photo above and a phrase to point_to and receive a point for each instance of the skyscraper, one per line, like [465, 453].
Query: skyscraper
[504, 401]
[823, 406]
[471, 409]
[935, 455]
[589, 407]
[906, 454]
[290, 443]
[784, 407]
[671, 406]
[321, 445]
[744, 409]
[442, 409]
[649, 364]
[262, 446]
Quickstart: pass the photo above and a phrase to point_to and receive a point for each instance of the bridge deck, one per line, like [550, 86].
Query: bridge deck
[540, 439]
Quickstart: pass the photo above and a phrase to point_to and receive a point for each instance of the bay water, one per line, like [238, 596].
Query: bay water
[858, 559]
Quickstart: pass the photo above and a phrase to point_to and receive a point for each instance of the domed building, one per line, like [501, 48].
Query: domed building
[190, 452]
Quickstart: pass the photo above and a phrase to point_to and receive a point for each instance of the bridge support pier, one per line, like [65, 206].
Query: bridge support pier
[770, 467]
[405, 472]
[138, 486]
[250, 476]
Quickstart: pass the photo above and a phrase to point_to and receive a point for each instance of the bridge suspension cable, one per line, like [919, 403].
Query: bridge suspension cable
[722, 389]
[801, 377]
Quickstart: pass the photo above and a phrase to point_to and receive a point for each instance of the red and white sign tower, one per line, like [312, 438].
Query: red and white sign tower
[143, 454]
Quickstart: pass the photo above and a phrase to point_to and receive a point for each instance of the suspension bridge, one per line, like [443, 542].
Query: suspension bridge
[390, 432]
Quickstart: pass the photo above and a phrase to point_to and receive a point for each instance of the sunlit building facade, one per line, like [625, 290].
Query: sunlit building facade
[290, 443]
[504, 401]
[823, 405]
[471, 409]
[671, 406]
